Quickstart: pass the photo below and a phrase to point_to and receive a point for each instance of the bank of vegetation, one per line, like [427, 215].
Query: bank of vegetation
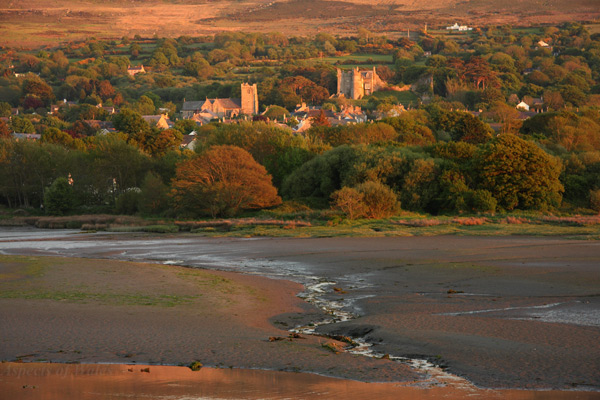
[461, 150]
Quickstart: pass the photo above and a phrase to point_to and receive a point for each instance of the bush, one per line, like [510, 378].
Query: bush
[483, 201]
[349, 201]
[154, 198]
[371, 200]
[595, 200]
[380, 201]
[161, 228]
[128, 202]
[58, 198]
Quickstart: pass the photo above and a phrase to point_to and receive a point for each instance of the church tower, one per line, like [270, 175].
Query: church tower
[249, 99]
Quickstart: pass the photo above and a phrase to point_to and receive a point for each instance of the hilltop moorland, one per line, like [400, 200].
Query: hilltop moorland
[31, 23]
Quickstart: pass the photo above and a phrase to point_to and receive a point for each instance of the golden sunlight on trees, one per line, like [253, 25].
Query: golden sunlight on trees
[370, 199]
[519, 174]
[221, 182]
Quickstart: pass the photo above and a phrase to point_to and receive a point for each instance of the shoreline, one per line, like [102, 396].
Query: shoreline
[121, 381]
[398, 320]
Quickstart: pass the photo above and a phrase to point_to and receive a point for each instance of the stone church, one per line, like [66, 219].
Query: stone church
[224, 108]
[356, 84]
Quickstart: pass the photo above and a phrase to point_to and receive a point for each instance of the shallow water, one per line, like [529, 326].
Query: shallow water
[377, 275]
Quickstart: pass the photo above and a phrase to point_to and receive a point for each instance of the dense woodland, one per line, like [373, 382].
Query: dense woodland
[461, 146]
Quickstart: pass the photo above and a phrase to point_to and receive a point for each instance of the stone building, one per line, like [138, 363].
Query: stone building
[224, 108]
[136, 70]
[356, 84]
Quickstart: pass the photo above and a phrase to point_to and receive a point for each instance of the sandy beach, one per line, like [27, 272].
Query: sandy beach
[493, 313]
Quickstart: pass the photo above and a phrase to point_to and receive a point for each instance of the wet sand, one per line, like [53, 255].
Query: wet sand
[90, 382]
[95, 311]
[511, 312]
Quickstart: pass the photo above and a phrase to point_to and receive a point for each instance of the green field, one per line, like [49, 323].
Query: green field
[357, 60]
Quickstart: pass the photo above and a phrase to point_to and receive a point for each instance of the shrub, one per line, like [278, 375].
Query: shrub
[372, 200]
[595, 200]
[380, 201]
[483, 201]
[154, 197]
[349, 201]
[161, 228]
[128, 202]
[58, 198]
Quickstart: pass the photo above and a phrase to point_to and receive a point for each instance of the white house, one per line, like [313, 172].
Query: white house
[541, 43]
[457, 27]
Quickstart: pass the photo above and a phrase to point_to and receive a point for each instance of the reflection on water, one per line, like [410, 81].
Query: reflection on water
[116, 382]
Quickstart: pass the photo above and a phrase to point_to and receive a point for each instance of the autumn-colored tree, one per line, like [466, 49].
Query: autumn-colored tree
[105, 90]
[164, 141]
[4, 130]
[221, 182]
[38, 87]
[380, 201]
[507, 116]
[349, 201]
[370, 199]
[321, 120]
[479, 72]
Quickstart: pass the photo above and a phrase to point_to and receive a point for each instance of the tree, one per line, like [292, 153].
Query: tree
[145, 105]
[114, 166]
[221, 182]
[507, 116]
[56, 136]
[4, 130]
[462, 126]
[276, 112]
[58, 198]
[21, 125]
[164, 141]
[5, 109]
[105, 90]
[154, 197]
[39, 88]
[321, 120]
[132, 123]
[519, 174]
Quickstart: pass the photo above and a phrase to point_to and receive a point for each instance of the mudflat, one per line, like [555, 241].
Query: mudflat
[509, 312]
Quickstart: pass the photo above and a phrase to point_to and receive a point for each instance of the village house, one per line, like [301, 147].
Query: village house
[222, 108]
[356, 84]
[55, 108]
[26, 136]
[189, 141]
[541, 43]
[160, 121]
[109, 109]
[305, 114]
[523, 106]
[101, 127]
[135, 70]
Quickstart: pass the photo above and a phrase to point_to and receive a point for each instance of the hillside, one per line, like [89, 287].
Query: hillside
[29, 22]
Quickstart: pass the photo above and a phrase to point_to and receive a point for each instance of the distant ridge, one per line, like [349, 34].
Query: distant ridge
[34, 23]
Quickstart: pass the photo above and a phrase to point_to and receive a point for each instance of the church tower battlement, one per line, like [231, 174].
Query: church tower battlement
[249, 99]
